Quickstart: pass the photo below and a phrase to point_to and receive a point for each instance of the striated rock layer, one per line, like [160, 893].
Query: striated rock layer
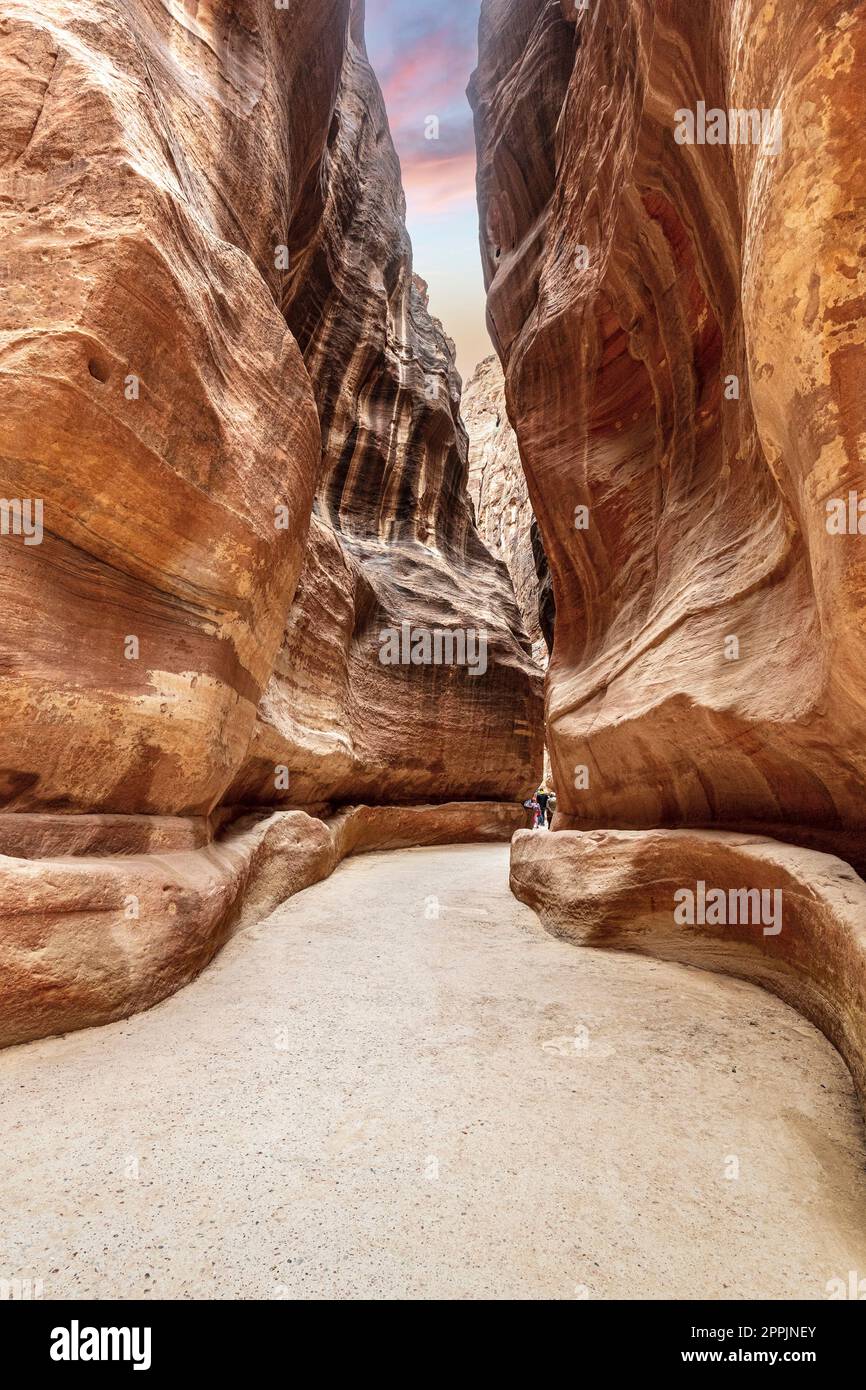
[154, 401]
[497, 486]
[393, 539]
[682, 331]
[209, 325]
[178, 182]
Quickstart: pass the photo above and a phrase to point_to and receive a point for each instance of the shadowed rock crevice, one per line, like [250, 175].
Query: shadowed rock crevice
[393, 538]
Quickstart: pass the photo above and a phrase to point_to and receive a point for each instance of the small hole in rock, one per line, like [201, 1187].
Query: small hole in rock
[98, 369]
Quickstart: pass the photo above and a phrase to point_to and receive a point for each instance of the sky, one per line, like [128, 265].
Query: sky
[423, 52]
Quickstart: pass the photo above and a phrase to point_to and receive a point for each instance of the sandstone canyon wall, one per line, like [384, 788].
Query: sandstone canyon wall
[681, 323]
[216, 372]
[154, 399]
[682, 331]
[497, 486]
[393, 538]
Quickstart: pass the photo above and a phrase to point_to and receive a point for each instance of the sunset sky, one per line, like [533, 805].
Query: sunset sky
[423, 52]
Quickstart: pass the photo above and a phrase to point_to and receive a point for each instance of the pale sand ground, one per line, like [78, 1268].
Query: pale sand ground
[358, 1101]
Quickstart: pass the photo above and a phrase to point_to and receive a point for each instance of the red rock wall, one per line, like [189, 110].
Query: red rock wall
[707, 515]
[154, 159]
[136, 244]
[208, 323]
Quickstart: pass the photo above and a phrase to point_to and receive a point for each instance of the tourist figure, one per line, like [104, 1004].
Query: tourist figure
[532, 805]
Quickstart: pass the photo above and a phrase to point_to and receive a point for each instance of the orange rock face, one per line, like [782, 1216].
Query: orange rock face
[179, 181]
[155, 404]
[208, 325]
[681, 321]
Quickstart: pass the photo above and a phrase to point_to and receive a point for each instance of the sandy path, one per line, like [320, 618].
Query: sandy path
[360, 1100]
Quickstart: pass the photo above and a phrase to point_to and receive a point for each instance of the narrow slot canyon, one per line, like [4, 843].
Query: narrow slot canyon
[432, 815]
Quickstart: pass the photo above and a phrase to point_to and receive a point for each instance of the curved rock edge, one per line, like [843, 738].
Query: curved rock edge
[87, 940]
[615, 889]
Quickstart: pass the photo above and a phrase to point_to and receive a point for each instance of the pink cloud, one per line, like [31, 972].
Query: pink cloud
[429, 79]
[439, 185]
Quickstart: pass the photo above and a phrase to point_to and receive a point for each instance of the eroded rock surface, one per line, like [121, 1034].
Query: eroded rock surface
[208, 324]
[393, 539]
[682, 330]
[497, 486]
[179, 182]
[154, 400]
[789, 918]
[85, 939]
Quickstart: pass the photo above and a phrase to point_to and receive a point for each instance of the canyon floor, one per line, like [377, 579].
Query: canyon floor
[399, 1085]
